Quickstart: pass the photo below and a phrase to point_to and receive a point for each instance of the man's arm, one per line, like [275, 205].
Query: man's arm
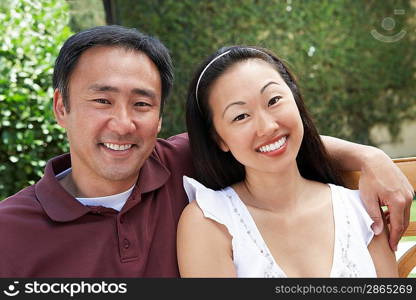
[381, 183]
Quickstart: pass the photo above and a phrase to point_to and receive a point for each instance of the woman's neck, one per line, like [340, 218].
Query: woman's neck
[276, 192]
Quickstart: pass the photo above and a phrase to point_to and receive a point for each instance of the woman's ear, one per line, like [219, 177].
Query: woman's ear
[224, 146]
[221, 144]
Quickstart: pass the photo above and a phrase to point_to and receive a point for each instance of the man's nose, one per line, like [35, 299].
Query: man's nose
[122, 121]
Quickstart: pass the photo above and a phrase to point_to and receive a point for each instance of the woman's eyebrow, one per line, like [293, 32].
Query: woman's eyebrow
[266, 85]
[231, 104]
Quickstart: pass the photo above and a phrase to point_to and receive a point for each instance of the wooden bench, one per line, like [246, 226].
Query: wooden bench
[408, 166]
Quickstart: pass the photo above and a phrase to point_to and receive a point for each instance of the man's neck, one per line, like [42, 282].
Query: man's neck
[93, 189]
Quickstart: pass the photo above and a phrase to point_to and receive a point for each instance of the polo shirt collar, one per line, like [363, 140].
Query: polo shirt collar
[57, 203]
[60, 206]
[153, 174]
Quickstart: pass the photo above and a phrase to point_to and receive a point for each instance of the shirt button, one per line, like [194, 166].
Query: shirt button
[126, 243]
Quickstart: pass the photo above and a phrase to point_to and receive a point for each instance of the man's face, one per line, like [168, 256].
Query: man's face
[114, 99]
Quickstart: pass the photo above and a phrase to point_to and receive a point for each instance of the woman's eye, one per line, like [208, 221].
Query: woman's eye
[240, 117]
[102, 101]
[274, 100]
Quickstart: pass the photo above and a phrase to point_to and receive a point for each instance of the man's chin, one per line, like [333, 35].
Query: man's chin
[119, 175]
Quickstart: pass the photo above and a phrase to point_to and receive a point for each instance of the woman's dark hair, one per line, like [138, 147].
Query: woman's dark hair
[217, 169]
[115, 36]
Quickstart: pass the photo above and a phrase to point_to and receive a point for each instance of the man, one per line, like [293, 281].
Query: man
[110, 207]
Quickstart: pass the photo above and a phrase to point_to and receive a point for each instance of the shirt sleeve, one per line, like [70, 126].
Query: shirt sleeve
[363, 220]
[212, 203]
[175, 154]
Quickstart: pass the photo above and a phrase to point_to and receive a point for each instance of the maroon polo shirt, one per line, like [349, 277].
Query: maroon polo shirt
[45, 232]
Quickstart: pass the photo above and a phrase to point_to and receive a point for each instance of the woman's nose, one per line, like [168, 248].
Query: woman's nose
[266, 124]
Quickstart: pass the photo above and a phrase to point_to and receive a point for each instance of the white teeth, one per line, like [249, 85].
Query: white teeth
[274, 146]
[118, 147]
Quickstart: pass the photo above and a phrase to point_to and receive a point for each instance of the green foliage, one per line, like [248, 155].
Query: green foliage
[32, 32]
[350, 80]
[86, 14]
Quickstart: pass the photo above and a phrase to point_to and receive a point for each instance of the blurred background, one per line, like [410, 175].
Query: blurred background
[354, 61]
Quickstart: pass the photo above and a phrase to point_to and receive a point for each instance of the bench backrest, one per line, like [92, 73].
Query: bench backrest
[408, 166]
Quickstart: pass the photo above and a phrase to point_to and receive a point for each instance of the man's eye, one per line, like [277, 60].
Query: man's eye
[102, 101]
[142, 104]
[240, 117]
[274, 100]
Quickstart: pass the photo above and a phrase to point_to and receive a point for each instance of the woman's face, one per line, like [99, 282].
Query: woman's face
[256, 117]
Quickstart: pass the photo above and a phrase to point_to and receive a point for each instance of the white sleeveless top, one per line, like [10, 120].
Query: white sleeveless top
[251, 256]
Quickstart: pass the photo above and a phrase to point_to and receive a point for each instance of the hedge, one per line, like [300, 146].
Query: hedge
[350, 80]
[32, 32]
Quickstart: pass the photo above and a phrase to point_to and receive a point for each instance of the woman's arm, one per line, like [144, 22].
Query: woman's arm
[381, 184]
[203, 245]
[383, 257]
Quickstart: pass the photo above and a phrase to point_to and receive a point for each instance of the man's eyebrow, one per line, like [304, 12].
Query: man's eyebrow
[144, 92]
[103, 88]
[266, 85]
[231, 104]
[108, 88]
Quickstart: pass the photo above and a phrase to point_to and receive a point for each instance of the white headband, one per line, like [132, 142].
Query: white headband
[202, 74]
[210, 63]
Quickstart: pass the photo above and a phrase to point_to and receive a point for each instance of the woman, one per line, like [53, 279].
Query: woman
[268, 200]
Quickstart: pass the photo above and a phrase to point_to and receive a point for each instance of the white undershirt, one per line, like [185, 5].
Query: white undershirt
[116, 201]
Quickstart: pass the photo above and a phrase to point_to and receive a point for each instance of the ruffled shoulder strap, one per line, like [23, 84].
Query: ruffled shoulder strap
[356, 207]
[214, 204]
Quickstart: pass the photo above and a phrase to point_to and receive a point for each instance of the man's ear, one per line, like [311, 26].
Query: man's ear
[159, 126]
[59, 108]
